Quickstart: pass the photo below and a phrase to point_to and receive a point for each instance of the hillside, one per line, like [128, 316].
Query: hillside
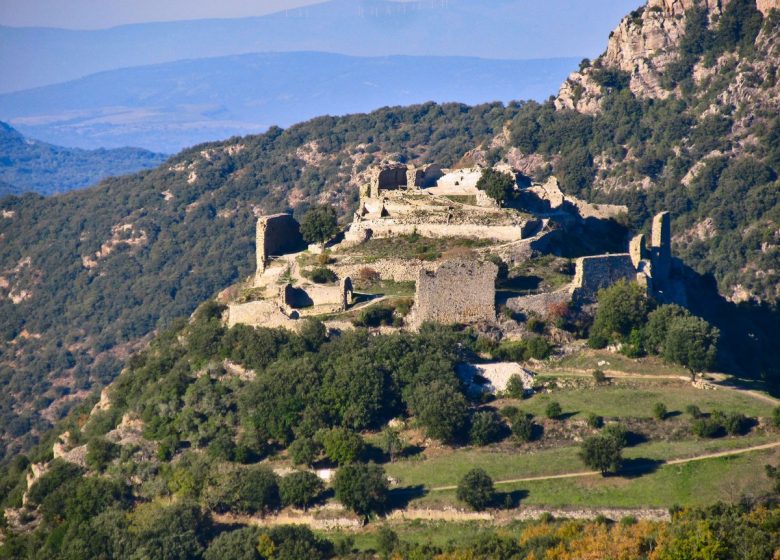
[28, 165]
[171, 106]
[33, 57]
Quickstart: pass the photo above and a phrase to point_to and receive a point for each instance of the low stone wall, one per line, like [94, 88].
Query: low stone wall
[397, 270]
[263, 313]
[385, 228]
[539, 303]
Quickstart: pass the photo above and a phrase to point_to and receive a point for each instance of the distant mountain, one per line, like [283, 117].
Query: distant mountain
[509, 29]
[31, 166]
[170, 106]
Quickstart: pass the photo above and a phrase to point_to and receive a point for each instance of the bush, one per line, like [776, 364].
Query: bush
[595, 421]
[100, 452]
[375, 316]
[245, 490]
[322, 275]
[693, 410]
[599, 376]
[776, 417]
[300, 489]
[602, 453]
[239, 544]
[660, 411]
[523, 427]
[476, 489]
[621, 308]
[736, 423]
[553, 410]
[707, 427]
[515, 387]
[486, 427]
[362, 488]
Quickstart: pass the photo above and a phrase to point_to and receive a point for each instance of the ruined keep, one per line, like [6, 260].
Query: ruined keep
[458, 291]
[275, 235]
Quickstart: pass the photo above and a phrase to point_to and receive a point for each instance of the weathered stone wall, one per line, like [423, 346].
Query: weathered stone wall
[276, 235]
[595, 273]
[661, 248]
[458, 291]
[338, 297]
[265, 313]
[539, 303]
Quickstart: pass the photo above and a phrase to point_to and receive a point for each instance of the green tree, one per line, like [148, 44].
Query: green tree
[341, 445]
[386, 541]
[621, 308]
[515, 387]
[362, 488]
[523, 427]
[239, 544]
[660, 411]
[602, 453]
[693, 343]
[497, 185]
[476, 489]
[304, 451]
[319, 224]
[300, 489]
[657, 328]
[441, 409]
[391, 443]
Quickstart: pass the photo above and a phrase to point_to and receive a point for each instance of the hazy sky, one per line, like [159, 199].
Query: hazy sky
[95, 14]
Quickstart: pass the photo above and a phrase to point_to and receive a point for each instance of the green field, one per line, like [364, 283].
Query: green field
[635, 399]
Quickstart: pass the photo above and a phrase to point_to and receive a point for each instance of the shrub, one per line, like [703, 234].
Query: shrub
[553, 410]
[515, 387]
[242, 490]
[707, 427]
[660, 411]
[621, 308]
[322, 275]
[535, 325]
[595, 421]
[300, 489]
[776, 417]
[523, 427]
[375, 316]
[361, 488]
[100, 452]
[486, 427]
[602, 453]
[693, 410]
[391, 443]
[368, 275]
[497, 185]
[736, 423]
[599, 376]
[476, 489]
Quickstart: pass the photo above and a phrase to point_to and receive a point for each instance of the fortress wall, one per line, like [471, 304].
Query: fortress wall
[275, 235]
[539, 303]
[386, 228]
[457, 292]
[258, 313]
[595, 273]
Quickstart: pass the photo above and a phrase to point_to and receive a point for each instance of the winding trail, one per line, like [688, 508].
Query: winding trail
[581, 474]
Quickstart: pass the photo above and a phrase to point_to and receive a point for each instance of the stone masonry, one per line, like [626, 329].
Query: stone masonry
[275, 235]
[458, 291]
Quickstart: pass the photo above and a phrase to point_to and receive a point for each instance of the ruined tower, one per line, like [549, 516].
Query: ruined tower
[661, 248]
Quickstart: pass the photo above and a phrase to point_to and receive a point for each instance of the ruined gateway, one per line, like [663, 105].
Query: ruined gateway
[398, 199]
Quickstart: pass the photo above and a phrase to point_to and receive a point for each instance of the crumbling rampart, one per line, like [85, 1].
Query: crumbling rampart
[275, 235]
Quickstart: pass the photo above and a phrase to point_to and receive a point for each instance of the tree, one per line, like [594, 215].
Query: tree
[391, 443]
[515, 387]
[657, 328]
[362, 488]
[693, 343]
[497, 185]
[660, 411]
[386, 541]
[486, 427]
[304, 451]
[476, 489]
[300, 489]
[239, 544]
[523, 427]
[341, 445]
[441, 409]
[602, 453]
[621, 308]
[319, 224]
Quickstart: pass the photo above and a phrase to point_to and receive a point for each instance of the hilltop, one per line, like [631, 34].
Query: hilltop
[28, 165]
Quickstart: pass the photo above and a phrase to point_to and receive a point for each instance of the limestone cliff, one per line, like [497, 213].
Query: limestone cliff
[643, 45]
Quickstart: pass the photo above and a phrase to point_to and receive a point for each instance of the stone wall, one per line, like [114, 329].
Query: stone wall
[338, 297]
[661, 248]
[595, 273]
[539, 303]
[458, 291]
[276, 235]
[265, 313]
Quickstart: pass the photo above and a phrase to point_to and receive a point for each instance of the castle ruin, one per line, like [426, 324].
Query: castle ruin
[458, 291]
[275, 235]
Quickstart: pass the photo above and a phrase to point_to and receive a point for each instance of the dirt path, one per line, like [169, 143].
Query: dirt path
[594, 473]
